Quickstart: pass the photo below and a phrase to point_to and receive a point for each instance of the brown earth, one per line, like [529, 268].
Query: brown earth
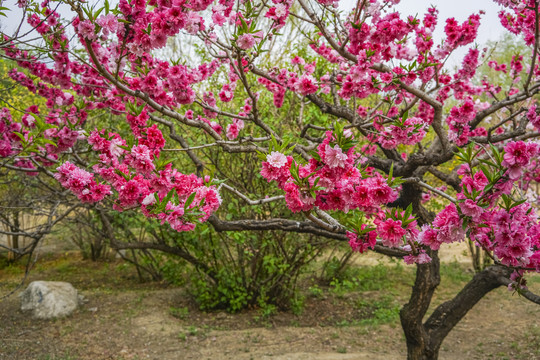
[124, 319]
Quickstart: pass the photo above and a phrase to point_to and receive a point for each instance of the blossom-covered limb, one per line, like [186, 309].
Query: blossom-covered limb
[292, 226]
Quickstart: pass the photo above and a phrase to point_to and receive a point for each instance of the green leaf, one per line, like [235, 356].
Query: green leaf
[122, 174]
[168, 197]
[189, 200]
[244, 25]
[390, 174]
[20, 136]
[405, 116]
[408, 212]
[87, 12]
[97, 13]
[517, 203]
[49, 141]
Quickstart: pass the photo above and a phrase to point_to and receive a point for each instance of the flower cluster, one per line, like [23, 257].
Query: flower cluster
[331, 182]
[487, 210]
[406, 132]
[81, 183]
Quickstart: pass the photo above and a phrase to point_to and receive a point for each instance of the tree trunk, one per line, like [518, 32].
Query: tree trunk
[419, 344]
[14, 238]
[424, 339]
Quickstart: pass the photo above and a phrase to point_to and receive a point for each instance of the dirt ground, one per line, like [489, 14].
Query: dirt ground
[123, 319]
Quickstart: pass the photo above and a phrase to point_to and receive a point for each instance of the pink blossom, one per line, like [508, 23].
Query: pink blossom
[232, 131]
[141, 159]
[245, 41]
[361, 244]
[428, 237]
[391, 232]
[420, 258]
[81, 183]
[307, 85]
[449, 225]
[108, 22]
[148, 200]
[470, 208]
[227, 92]
[518, 155]
[335, 156]
[86, 30]
[276, 159]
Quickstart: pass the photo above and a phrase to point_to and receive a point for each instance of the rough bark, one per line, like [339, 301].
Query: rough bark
[418, 340]
[424, 340]
[448, 314]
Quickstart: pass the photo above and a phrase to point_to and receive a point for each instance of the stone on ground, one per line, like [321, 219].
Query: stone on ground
[49, 299]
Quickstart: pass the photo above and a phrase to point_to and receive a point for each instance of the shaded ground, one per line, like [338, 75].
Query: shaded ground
[127, 320]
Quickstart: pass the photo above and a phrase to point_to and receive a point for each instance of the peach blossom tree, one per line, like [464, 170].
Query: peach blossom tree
[375, 122]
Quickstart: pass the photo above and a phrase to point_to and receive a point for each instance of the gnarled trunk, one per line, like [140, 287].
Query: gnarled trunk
[419, 344]
[424, 339]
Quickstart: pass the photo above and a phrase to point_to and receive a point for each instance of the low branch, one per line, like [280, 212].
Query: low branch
[248, 200]
[448, 314]
[303, 227]
[525, 293]
[120, 245]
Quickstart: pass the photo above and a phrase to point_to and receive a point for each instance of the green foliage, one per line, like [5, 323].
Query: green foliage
[382, 311]
[12, 96]
[180, 313]
[455, 272]
[228, 271]
[368, 278]
[316, 291]
[256, 270]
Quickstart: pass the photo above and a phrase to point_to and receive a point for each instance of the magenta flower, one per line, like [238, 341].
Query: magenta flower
[86, 30]
[307, 85]
[391, 232]
[232, 131]
[421, 258]
[335, 156]
[470, 208]
[428, 237]
[246, 41]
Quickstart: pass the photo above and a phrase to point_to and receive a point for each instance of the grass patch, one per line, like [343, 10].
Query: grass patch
[179, 313]
[86, 275]
[382, 311]
[372, 278]
[455, 273]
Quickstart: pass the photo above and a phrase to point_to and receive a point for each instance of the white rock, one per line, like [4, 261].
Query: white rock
[49, 299]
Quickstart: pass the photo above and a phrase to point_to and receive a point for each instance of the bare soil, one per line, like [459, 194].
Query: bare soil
[124, 319]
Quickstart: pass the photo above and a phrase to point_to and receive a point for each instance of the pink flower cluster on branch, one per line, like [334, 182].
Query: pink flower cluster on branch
[331, 182]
